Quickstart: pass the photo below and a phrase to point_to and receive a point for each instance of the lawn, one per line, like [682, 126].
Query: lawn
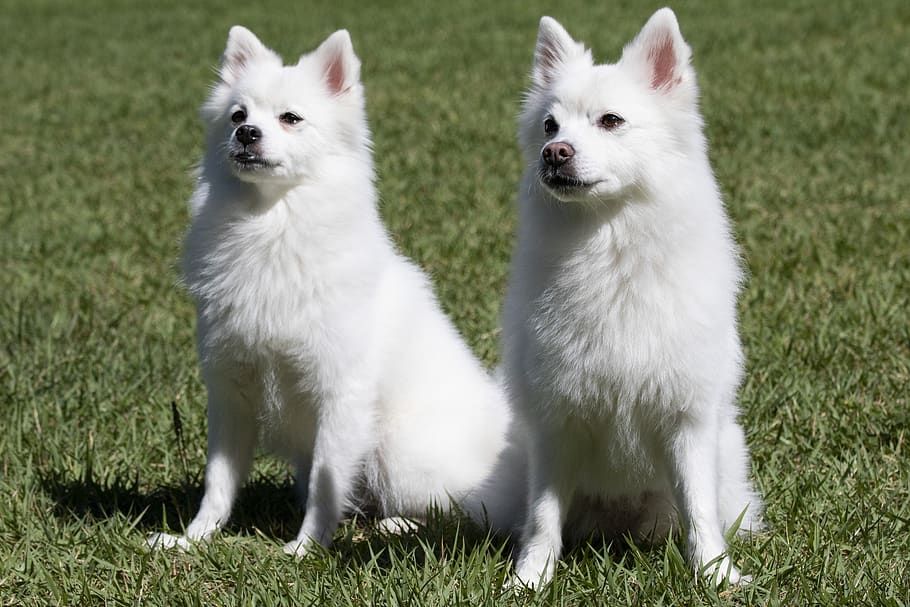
[101, 407]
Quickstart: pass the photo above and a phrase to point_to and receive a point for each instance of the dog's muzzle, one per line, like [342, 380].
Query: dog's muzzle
[248, 157]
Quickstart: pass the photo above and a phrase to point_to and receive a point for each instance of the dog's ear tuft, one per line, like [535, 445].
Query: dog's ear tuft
[659, 52]
[243, 48]
[555, 47]
[341, 67]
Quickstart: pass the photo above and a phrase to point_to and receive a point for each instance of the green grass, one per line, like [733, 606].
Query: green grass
[807, 108]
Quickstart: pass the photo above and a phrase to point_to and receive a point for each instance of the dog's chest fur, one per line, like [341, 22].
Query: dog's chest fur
[626, 331]
[624, 326]
[266, 284]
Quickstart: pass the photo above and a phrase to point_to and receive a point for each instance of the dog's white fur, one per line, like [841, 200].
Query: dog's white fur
[620, 335]
[315, 336]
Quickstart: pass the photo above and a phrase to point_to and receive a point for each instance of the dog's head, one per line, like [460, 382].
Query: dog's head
[598, 132]
[280, 124]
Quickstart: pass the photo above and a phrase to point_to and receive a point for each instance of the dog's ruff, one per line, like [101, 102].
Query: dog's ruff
[315, 336]
[620, 338]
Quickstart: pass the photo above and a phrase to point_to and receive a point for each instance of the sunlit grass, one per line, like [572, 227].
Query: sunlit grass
[806, 105]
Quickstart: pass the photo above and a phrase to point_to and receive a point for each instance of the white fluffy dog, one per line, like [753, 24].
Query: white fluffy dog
[620, 331]
[315, 336]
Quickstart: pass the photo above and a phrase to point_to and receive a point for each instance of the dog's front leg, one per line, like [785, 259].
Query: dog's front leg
[692, 459]
[343, 438]
[548, 501]
[232, 433]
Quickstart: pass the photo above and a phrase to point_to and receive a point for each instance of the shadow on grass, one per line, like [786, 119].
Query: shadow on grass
[265, 504]
[272, 508]
[439, 537]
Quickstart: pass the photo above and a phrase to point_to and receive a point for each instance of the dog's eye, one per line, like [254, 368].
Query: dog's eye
[290, 118]
[611, 121]
[238, 116]
[550, 126]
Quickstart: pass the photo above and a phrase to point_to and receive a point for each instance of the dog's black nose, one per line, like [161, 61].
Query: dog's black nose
[557, 154]
[247, 134]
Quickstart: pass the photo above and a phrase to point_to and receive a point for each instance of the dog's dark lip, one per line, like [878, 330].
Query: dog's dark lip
[558, 181]
[248, 160]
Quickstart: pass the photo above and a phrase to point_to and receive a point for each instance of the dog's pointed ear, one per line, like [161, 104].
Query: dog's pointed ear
[659, 52]
[555, 47]
[243, 48]
[341, 67]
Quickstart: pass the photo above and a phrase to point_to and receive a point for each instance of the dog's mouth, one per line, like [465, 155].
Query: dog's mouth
[558, 181]
[247, 160]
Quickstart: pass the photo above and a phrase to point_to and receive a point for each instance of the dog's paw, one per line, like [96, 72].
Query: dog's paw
[397, 525]
[515, 583]
[531, 573]
[528, 581]
[166, 541]
[299, 548]
[722, 572]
